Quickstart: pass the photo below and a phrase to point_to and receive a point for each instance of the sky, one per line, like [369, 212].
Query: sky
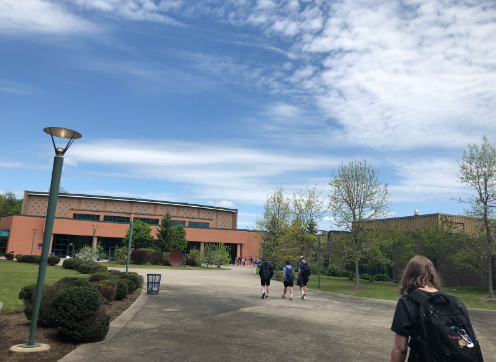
[220, 103]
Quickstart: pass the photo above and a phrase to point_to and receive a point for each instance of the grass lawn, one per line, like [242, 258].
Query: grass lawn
[14, 276]
[389, 291]
[183, 267]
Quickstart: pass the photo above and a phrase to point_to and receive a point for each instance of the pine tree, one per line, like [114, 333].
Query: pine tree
[164, 235]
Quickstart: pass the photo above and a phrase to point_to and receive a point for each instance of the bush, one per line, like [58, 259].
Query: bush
[18, 256]
[90, 267]
[191, 262]
[78, 315]
[71, 263]
[107, 289]
[9, 256]
[397, 279]
[346, 274]
[120, 262]
[27, 292]
[97, 268]
[139, 257]
[156, 258]
[351, 275]
[46, 316]
[53, 260]
[314, 268]
[371, 279]
[166, 259]
[134, 277]
[333, 271]
[35, 259]
[196, 255]
[130, 284]
[122, 288]
[382, 277]
[75, 282]
[97, 277]
[364, 276]
[84, 268]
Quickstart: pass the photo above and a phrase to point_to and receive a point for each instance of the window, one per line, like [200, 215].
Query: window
[63, 245]
[193, 224]
[4, 239]
[148, 221]
[178, 222]
[86, 216]
[116, 218]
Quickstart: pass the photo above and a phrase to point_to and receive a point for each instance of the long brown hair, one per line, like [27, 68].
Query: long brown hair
[419, 272]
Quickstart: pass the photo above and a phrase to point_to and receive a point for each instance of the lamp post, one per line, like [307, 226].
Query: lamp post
[129, 244]
[318, 255]
[93, 240]
[49, 222]
[33, 243]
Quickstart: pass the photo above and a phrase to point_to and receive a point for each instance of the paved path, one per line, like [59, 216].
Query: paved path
[220, 316]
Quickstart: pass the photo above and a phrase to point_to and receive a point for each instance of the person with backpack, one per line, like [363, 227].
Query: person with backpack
[288, 277]
[435, 326]
[303, 276]
[265, 273]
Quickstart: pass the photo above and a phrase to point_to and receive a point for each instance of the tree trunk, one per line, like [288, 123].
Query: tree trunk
[357, 275]
[490, 275]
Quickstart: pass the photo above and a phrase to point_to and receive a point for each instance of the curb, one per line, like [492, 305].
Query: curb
[85, 352]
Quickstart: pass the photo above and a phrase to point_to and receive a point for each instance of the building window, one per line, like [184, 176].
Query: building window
[116, 218]
[148, 221]
[4, 241]
[194, 224]
[178, 222]
[67, 245]
[86, 216]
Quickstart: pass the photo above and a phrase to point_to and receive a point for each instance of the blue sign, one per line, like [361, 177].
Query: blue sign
[40, 245]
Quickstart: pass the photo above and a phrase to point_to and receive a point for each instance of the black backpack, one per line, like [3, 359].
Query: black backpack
[443, 331]
[265, 271]
[305, 269]
[289, 274]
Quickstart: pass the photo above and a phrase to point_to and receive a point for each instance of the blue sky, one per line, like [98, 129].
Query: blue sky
[219, 103]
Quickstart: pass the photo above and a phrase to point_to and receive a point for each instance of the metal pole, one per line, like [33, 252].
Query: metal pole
[47, 236]
[93, 243]
[33, 243]
[129, 246]
[318, 257]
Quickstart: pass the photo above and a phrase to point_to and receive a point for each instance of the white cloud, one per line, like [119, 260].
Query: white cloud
[15, 88]
[38, 16]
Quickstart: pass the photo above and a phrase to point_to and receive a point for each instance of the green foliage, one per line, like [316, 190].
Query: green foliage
[78, 316]
[53, 260]
[364, 276]
[75, 282]
[179, 241]
[139, 257]
[84, 268]
[166, 258]
[134, 277]
[35, 259]
[100, 276]
[214, 252]
[9, 256]
[164, 235]
[107, 289]
[357, 197]
[86, 251]
[122, 289]
[9, 204]
[27, 292]
[382, 277]
[71, 263]
[397, 248]
[156, 258]
[122, 252]
[196, 255]
[333, 271]
[18, 256]
[46, 316]
[141, 238]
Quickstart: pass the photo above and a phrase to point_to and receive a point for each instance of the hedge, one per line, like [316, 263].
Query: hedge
[71, 263]
[10, 256]
[53, 260]
[139, 256]
[75, 282]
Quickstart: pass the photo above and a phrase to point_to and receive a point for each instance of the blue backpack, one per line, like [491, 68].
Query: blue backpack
[289, 273]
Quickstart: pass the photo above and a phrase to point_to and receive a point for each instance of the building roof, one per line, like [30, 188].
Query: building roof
[434, 214]
[134, 200]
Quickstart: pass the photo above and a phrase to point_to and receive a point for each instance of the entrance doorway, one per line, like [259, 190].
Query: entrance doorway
[70, 250]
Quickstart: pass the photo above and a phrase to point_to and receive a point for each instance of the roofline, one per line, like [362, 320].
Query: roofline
[435, 214]
[135, 200]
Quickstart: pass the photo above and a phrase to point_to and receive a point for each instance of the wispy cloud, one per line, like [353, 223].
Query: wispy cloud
[15, 88]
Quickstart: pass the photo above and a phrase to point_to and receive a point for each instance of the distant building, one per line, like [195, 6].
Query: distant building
[78, 214]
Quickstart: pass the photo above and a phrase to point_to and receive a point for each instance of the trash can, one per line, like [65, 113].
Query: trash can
[153, 282]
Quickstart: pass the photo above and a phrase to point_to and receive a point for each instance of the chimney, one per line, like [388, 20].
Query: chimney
[416, 212]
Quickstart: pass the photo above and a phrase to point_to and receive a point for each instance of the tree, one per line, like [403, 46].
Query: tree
[397, 247]
[214, 252]
[357, 197]
[9, 204]
[179, 242]
[141, 238]
[307, 207]
[164, 235]
[478, 173]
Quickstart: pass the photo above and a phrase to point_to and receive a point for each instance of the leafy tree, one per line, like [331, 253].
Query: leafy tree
[307, 207]
[9, 204]
[478, 173]
[179, 242]
[357, 197]
[397, 247]
[164, 235]
[141, 238]
[214, 252]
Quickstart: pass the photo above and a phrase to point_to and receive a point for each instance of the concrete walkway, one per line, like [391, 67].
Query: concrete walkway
[218, 315]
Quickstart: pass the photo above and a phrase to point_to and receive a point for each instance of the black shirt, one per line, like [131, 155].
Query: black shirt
[405, 316]
[261, 269]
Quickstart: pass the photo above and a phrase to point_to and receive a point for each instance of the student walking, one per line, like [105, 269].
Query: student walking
[288, 278]
[438, 325]
[265, 273]
[303, 276]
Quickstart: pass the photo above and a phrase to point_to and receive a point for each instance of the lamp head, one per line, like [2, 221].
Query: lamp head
[62, 133]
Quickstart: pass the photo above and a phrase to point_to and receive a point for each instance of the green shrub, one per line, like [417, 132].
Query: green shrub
[9, 256]
[139, 257]
[97, 268]
[122, 288]
[84, 268]
[346, 273]
[364, 276]
[46, 316]
[75, 282]
[53, 260]
[27, 292]
[351, 275]
[78, 315]
[71, 263]
[18, 256]
[130, 284]
[97, 277]
[166, 258]
[397, 279]
[314, 268]
[382, 277]
[120, 262]
[107, 289]
[371, 279]
[35, 259]
[191, 262]
[114, 272]
[156, 258]
[333, 271]
[134, 277]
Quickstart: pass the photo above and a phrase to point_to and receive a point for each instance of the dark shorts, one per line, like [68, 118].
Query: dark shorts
[302, 281]
[265, 282]
[289, 284]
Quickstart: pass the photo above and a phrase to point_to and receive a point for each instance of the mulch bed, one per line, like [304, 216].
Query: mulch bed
[354, 287]
[14, 329]
[486, 300]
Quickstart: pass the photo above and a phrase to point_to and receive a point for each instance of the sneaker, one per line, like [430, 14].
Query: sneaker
[263, 295]
[302, 297]
[283, 296]
[290, 298]
[304, 294]
[267, 296]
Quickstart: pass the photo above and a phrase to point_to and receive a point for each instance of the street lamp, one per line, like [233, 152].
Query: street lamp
[33, 243]
[93, 240]
[49, 225]
[318, 255]
[129, 243]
